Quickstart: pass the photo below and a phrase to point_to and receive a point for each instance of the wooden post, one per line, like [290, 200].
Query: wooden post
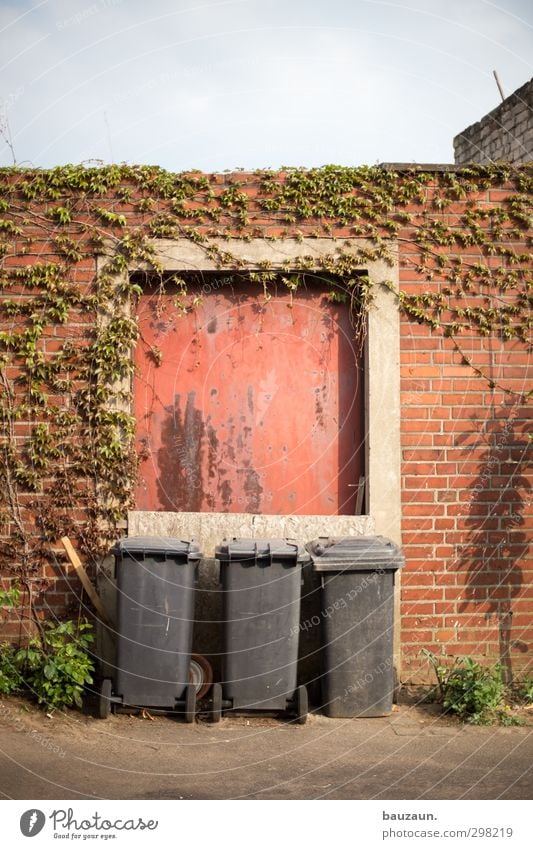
[85, 581]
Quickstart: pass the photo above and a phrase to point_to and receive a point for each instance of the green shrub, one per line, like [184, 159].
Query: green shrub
[524, 691]
[474, 693]
[10, 597]
[10, 679]
[57, 666]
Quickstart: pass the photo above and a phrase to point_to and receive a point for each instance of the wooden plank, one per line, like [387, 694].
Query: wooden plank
[86, 581]
[360, 496]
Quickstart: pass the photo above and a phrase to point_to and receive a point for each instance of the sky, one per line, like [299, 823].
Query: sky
[252, 83]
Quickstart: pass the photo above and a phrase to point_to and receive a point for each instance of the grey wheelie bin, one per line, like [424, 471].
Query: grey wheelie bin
[261, 584]
[155, 612]
[357, 619]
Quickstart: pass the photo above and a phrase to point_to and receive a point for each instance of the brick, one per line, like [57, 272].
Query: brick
[431, 565]
[479, 636]
[424, 622]
[421, 536]
[417, 636]
[444, 524]
[445, 635]
[413, 394]
[414, 649]
[469, 592]
[446, 578]
[417, 550]
[418, 497]
[446, 607]
[417, 608]
[416, 579]
[420, 371]
[475, 607]
[420, 414]
[461, 620]
[475, 650]
[417, 357]
[409, 427]
[407, 342]
[423, 510]
[446, 495]
[445, 551]
[422, 594]
[417, 525]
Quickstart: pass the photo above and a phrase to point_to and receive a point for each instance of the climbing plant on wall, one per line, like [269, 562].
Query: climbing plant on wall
[67, 462]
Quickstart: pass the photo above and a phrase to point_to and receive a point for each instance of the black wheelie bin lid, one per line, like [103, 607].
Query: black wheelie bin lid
[169, 547]
[261, 549]
[355, 554]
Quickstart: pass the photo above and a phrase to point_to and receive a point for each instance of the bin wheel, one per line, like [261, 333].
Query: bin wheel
[104, 703]
[216, 706]
[302, 705]
[190, 702]
[201, 675]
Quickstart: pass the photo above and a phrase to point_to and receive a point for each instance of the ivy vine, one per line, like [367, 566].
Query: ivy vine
[67, 459]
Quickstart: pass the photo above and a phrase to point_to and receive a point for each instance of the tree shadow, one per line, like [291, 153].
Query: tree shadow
[498, 542]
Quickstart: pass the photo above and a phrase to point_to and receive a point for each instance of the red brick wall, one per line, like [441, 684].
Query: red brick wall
[466, 471]
[467, 517]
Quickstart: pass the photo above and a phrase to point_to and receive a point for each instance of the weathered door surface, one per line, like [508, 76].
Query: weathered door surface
[244, 405]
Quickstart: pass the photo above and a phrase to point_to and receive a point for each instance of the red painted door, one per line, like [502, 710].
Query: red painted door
[247, 405]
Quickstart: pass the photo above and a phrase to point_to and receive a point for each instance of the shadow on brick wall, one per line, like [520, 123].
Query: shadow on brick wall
[500, 497]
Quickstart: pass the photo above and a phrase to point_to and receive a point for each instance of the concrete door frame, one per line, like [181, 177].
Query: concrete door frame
[382, 382]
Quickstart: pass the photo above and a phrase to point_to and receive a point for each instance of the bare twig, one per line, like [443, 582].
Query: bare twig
[5, 134]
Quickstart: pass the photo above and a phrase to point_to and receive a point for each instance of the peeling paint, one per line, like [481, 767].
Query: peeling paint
[255, 408]
[179, 457]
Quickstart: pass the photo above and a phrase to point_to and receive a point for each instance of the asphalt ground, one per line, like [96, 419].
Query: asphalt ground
[414, 753]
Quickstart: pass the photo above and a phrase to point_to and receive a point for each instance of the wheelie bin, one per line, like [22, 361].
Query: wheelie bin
[155, 612]
[261, 585]
[357, 621]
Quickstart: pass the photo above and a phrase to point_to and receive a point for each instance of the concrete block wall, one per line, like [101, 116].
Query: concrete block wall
[505, 134]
